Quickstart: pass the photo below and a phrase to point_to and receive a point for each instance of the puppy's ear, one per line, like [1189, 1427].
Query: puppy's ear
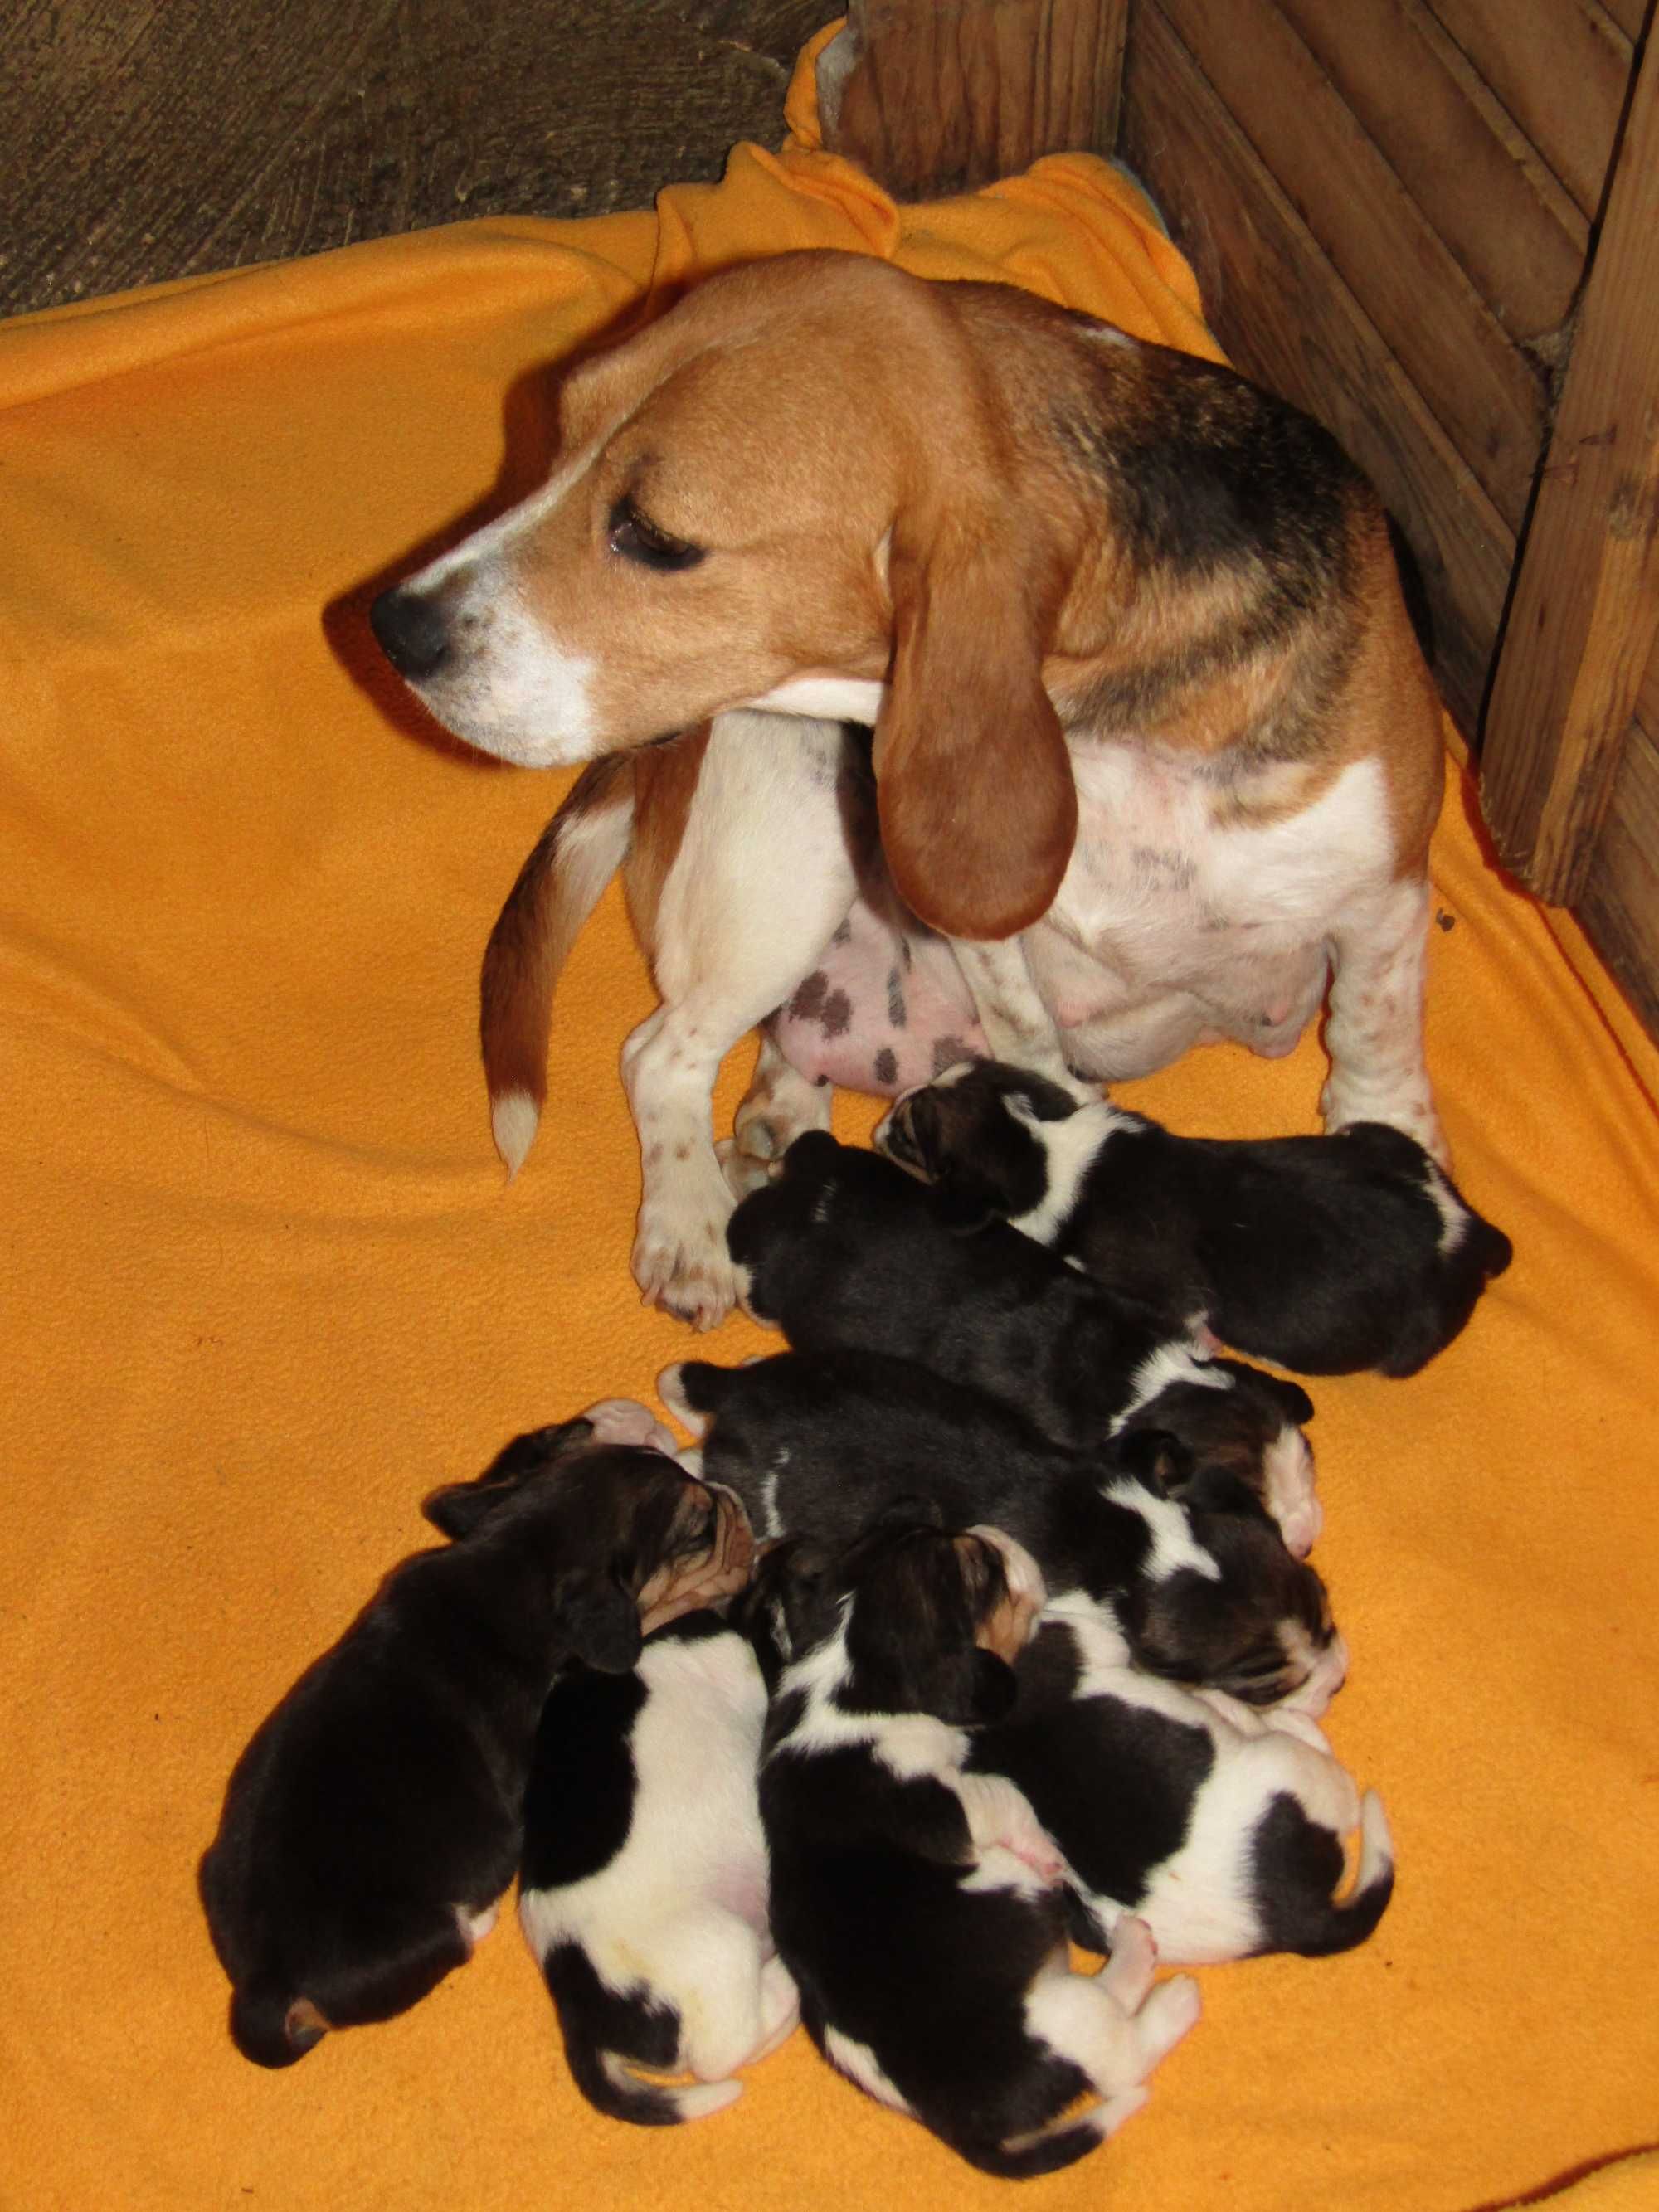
[460, 1510]
[600, 1621]
[974, 782]
[1291, 1398]
[964, 1203]
[1158, 1458]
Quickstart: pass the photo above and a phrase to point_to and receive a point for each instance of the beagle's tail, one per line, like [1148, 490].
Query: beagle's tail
[558, 887]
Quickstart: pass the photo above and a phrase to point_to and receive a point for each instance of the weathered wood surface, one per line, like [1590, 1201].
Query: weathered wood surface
[938, 97]
[146, 139]
[1287, 316]
[1514, 229]
[1584, 617]
[1620, 908]
[1561, 68]
[1489, 396]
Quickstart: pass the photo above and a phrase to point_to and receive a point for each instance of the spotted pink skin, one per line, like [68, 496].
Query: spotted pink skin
[884, 1011]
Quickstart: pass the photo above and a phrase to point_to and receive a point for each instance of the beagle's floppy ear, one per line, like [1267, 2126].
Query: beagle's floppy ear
[460, 1509]
[973, 782]
[600, 1621]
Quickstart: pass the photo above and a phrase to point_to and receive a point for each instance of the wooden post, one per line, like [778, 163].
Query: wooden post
[1585, 610]
[939, 97]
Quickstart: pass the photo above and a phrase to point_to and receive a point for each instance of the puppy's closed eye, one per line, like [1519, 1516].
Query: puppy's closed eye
[637, 538]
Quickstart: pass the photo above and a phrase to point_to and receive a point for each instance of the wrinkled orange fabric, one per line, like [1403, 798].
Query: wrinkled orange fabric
[264, 1287]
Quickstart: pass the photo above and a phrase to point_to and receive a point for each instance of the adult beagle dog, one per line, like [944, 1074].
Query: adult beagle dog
[1154, 746]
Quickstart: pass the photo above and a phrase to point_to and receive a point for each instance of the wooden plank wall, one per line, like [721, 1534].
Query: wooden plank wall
[1389, 205]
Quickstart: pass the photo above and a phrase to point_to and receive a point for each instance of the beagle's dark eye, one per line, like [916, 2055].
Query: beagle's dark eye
[637, 538]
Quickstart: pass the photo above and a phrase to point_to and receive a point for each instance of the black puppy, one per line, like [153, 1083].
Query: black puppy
[1326, 1254]
[374, 1821]
[919, 1907]
[843, 1249]
[1178, 1553]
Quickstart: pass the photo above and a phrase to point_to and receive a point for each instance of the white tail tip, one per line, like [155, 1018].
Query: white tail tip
[514, 1118]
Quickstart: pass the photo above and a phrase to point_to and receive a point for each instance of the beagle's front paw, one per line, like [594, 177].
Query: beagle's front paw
[682, 1265]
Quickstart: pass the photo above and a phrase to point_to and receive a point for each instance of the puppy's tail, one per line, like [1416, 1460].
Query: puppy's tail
[609, 2083]
[271, 2026]
[1049, 2149]
[1301, 1918]
[558, 887]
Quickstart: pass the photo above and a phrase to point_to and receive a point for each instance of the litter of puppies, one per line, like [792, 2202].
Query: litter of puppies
[974, 1626]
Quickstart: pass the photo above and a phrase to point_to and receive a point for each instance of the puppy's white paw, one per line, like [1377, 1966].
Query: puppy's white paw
[625, 1421]
[1168, 2013]
[1128, 1974]
[1000, 1818]
[1299, 1725]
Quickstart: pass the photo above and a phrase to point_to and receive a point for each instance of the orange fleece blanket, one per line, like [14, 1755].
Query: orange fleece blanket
[264, 1287]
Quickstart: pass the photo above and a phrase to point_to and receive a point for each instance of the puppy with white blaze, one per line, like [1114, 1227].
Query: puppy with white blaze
[920, 1908]
[1220, 1826]
[1328, 1254]
[643, 1889]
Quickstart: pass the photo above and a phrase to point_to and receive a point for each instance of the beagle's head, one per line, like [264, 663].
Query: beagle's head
[804, 487]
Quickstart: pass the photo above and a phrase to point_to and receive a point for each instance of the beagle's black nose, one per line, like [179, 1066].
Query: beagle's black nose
[412, 632]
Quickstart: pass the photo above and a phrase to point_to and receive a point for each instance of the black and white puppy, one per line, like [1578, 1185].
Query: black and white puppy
[845, 1250]
[1325, 1254]
[918, 1906]
[1220, 1826]
[372, 1823]
[1178, 1553]
[643, 1891]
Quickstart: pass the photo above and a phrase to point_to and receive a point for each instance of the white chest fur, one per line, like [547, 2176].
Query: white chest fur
[1168, 860]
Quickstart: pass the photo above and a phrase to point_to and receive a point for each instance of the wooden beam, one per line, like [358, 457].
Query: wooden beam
[940, 96]
[1585, 613]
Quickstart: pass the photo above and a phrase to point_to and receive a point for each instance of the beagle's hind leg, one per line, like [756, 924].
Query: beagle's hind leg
[780, 1105]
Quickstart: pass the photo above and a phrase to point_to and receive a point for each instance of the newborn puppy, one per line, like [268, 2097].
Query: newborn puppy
[1219, 1827]
[845, 1250]
[643, 1890]
[918, 1906]
[1326, 1254]
[1178, 1553]
[374, 1821]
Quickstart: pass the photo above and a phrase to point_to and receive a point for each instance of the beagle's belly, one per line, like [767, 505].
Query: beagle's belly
[1195, 908]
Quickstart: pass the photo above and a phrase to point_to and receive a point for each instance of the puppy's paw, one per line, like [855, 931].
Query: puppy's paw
[1128, 1974]
[1302, 1726]
[625, 1421]
[1168, 2013]
[1000, 1818]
